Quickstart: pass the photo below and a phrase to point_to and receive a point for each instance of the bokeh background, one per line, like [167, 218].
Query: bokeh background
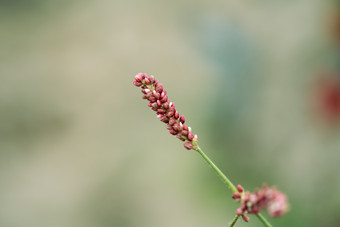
[258, 81]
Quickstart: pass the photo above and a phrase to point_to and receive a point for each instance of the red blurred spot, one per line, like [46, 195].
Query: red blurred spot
[328, 97]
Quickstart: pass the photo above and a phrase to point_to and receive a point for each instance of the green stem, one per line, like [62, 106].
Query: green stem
[234, 221]
[263, 220]
[228, 182]
[217, 170]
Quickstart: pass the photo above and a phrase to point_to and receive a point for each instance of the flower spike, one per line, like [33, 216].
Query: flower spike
[166, 112]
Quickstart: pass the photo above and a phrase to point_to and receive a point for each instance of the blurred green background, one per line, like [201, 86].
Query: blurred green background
[79, 147]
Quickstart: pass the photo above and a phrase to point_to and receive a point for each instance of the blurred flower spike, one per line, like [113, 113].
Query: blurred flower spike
[166, 111]
[265, 198]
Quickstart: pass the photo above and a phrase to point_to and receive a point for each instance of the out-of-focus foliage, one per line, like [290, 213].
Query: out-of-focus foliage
[78, 146]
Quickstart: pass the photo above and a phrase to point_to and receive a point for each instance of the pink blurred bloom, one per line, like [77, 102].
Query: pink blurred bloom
[265, 198]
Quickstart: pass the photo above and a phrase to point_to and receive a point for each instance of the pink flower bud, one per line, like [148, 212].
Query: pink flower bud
[161, 111]
[154, 105]
[166, 105]
[164, 119]
[152, 99]
[185, 127]
[236, 195]
[245, 218]
[188, 145]
[152, 79]
[159, 103]
[190, 136]
[182, 119]
[239, 188]
[239, 211]
[163, 94]
[164, 99]
[173, 132]
[148, 94]
[184, 132]
[172, 121]
[176, 127]
[176, 115]
[159, 88]
[170, 114]
[156, 94]
[137, 84]
[147, 81]
[138, 77]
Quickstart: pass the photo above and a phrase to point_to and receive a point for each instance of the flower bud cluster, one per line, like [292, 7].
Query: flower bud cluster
[270, 199]
[166, 111]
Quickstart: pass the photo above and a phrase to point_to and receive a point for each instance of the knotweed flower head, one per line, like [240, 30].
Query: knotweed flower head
[266, 198]
[166, 110]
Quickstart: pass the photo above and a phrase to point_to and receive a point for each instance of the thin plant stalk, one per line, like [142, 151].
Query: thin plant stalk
[217, 170]
[263, 220]
[234, 221]
[229, 183]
